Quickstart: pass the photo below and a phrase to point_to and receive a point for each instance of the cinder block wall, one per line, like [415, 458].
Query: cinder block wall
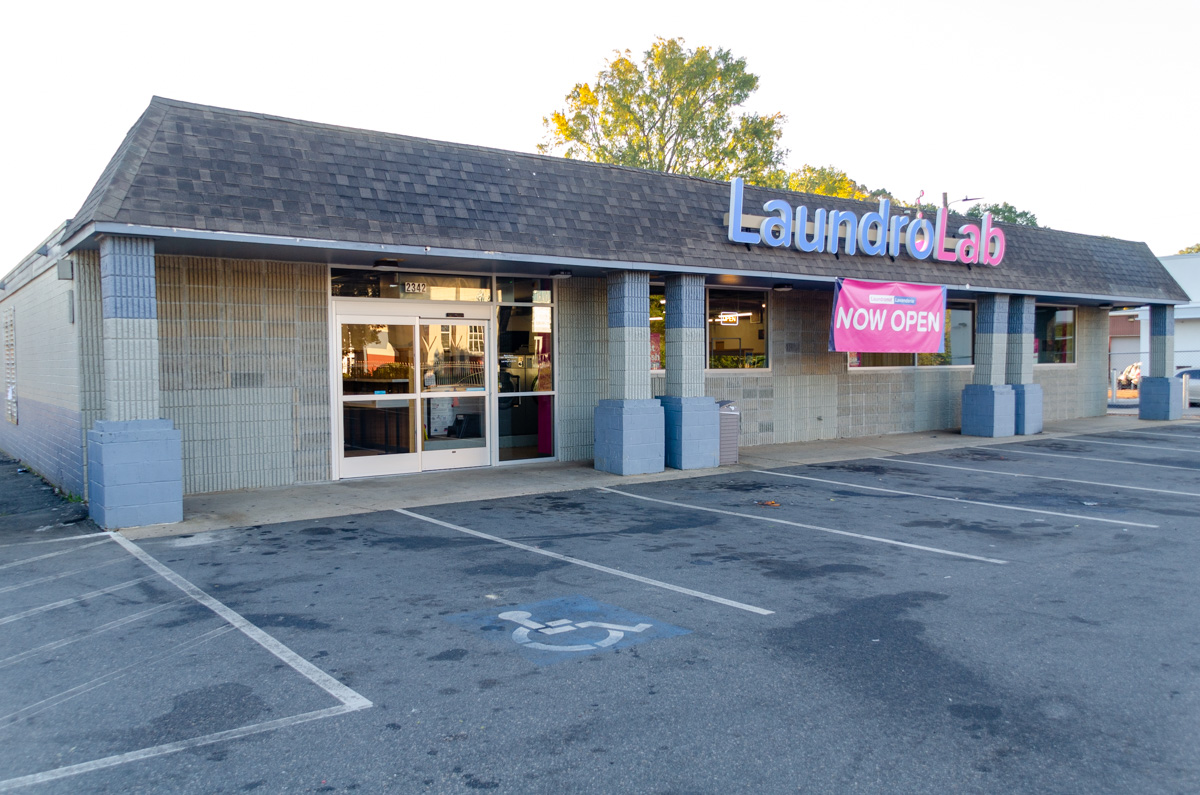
[811, 394]
[1080, 389]
[582, 378]
[48, 435]
[244, 354]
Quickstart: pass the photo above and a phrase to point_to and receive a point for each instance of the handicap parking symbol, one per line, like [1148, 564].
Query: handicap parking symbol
[557, 630]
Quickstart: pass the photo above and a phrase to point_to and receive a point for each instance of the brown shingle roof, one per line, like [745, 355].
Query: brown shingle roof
[199, 167]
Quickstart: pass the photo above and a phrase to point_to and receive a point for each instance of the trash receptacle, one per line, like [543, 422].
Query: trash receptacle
[731, 426]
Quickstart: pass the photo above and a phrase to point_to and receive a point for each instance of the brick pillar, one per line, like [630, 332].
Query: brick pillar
[629, 425]
[1018, 372]
[988, 404]
[1159, 395]
[692, 421]
[135, 462]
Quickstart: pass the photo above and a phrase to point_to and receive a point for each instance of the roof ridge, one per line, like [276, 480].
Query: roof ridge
[118, 165]
[402, 136]
[141, 153]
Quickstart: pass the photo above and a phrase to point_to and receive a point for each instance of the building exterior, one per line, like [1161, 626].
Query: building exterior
[246, 301]
[1185, 269]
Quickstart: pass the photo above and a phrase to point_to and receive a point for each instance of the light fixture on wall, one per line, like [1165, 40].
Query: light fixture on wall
[782, 287]
[561, 273]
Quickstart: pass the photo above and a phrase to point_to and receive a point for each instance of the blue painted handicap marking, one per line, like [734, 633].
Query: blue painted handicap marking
[563, 629]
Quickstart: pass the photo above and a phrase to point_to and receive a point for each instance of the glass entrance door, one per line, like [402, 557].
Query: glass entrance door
[413, 394]
[378, 396]
[454, 393]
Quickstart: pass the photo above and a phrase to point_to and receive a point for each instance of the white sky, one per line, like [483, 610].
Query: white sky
[1084, 113]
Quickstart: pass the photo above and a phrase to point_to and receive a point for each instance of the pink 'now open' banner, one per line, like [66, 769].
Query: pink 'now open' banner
[887, 317]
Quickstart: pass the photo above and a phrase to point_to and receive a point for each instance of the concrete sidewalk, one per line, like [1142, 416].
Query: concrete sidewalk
[246, 508]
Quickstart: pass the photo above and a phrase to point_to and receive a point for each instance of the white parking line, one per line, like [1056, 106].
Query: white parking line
[52, 540]
[302, 666]
[59, 576]
[171, 748]
[597, 567]
[956, 499]
[774, 520]
[350, 701]
[1038, 477]
[1163, 435]
[108, 676]
[120, 622]
[74, 600]
[1122, 462]
[1089, 440]
[50, 555]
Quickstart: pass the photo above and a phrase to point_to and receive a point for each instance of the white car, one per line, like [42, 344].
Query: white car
[1193, 384]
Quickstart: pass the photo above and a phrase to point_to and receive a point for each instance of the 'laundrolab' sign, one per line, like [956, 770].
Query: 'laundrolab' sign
[874, 234]
[887, 317]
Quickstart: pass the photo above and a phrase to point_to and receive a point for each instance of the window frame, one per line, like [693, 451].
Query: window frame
[962, 303]
[1074, 335]
[768, 308]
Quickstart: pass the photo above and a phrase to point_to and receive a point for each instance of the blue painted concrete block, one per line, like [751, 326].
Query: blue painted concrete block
[692, 432]
[629, 437]
[135, 473]
[988, 410]
[1028, 414]
[1160, 399]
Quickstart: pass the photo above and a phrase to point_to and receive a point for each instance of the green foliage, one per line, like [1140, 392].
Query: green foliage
[1193, 249]
[673, 112]
[1004, 212]
[827, 181]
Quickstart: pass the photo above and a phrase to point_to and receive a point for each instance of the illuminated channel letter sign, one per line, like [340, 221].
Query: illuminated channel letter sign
[874, 234]
[887, 317]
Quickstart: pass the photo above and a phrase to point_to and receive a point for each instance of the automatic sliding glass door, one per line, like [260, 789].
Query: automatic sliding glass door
[413, 394]
[378, 396]
[454, 394]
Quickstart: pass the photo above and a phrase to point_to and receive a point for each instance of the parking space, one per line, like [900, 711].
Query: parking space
[1016, 618]
[96, 637]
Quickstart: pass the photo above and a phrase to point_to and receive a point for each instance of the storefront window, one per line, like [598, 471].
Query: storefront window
[1054, 335]
[959, 344]
[524, 291]
[353, 283]
[959, 338]
[658, 328]
[525, 351]
[737, 329]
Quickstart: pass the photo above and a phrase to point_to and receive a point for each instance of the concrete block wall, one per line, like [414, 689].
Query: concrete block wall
[245, 370]
[48, 435]
[581, 337]
[1080, 389]
[810, 394]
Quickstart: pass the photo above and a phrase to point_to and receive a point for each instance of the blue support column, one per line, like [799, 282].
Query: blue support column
[135, 460]
[1027, 395]
[629, 424]
[693, 422]
[989, 404]
[1159, 395]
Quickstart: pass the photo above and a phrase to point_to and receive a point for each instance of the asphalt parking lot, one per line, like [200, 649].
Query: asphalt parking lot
[1014, 618]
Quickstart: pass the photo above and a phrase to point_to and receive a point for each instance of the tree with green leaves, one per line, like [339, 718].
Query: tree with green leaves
[1004, 212]
[826, 181]
[676, 111]
[1193, 249]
